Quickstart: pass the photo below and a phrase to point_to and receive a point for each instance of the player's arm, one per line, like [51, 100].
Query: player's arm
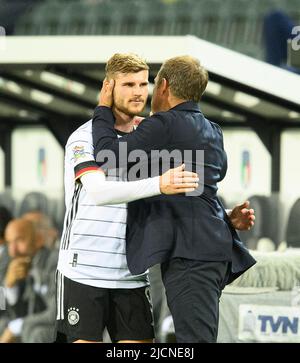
[151, 134]
[103, 191]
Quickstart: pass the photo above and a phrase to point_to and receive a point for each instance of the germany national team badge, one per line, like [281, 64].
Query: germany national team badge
[73, 316]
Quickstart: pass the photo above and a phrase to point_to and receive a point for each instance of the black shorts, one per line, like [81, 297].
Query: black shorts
[126, 313]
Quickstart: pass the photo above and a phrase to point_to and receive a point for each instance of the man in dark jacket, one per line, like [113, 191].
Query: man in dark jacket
[191, 236]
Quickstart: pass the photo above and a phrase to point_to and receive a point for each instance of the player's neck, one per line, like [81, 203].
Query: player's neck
[123, 122]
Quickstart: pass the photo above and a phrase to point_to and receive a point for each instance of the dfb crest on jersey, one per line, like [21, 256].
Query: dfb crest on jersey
[73, 316]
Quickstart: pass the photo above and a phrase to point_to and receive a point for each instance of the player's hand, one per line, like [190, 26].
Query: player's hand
[241, 217]
[177, 180]
[106, 94]
[17, 270]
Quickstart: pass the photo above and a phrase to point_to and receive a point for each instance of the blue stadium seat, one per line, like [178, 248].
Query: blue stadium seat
[57, 212]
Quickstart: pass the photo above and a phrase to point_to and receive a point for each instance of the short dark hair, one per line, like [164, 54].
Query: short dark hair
[186, 76]
[5, 218]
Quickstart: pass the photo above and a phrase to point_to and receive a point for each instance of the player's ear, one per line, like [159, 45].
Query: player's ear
[164, 86]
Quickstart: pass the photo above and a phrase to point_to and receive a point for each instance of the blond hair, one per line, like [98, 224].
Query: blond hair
[187, 78]
[125, 63]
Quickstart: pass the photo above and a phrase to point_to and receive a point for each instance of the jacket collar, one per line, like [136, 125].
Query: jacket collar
[187, 106]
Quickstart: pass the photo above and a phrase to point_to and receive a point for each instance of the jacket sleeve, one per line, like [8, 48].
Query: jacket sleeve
[150, 135]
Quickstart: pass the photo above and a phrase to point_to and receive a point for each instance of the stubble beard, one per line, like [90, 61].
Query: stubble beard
[120, 108]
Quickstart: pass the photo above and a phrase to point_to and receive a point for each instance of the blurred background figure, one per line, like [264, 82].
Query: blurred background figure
[5, 217]
[11, 10]
[45, 227]
[277, 31]
[29, 285]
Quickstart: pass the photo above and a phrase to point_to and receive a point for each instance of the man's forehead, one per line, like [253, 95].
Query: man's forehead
[19, 227]
[16, 232]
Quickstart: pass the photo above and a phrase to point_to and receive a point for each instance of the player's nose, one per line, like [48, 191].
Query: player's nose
[137, 91]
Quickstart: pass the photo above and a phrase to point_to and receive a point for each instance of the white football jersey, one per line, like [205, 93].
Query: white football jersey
[93, 245]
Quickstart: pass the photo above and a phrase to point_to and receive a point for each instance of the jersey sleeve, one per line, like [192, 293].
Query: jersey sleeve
[81, 157]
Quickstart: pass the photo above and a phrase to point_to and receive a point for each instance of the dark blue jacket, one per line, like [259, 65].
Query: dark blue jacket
[164, 227]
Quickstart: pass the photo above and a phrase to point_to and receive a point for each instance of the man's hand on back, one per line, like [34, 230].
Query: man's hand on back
[177, 181]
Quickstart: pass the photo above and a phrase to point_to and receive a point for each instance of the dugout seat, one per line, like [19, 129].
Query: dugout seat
[57, 213]
[34, 201]
[293, 226]
[7, 201]
[266, 221]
